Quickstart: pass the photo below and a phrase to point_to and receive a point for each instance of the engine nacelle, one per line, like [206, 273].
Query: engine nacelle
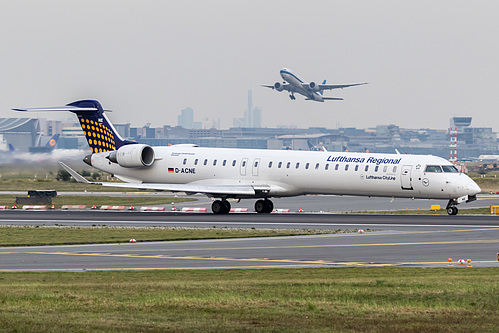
[313, 86]
[278, 86]
[133, 156]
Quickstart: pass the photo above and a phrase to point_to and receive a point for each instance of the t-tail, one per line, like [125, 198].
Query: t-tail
[99, 131]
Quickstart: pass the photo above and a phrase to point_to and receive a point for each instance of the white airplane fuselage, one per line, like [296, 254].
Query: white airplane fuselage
[296, 83]
[292, 173]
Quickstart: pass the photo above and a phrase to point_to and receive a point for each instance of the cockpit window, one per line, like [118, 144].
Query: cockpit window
[449, 168]
[433, 168]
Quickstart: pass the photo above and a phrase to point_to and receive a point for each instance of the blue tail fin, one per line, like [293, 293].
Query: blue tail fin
[53, 141]
[100, 133]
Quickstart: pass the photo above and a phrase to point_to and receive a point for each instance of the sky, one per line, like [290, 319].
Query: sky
[425, 61]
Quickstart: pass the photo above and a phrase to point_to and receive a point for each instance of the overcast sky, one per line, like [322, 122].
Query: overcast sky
[425, 61]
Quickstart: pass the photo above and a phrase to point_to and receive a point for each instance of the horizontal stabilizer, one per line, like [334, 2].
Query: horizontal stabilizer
[332, 98]
[57, 108]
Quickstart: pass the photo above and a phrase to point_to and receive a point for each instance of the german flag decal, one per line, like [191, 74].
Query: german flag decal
[170, 170]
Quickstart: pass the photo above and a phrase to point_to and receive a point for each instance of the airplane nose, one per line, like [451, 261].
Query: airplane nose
[474, 188]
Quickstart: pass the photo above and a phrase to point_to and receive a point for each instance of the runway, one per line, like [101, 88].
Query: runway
[399, 240]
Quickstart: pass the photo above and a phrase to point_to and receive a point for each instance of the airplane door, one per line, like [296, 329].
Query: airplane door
[406, 177]
[244, 164]
[256, 165]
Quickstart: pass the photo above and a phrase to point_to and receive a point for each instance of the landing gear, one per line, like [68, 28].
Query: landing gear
[220, 207]
[264, 206]
[451, 207]
[292, 96]
[452, 210]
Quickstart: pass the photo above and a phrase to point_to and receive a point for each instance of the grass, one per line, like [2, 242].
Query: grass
[36, 235]
[372, 299]
[9, 200]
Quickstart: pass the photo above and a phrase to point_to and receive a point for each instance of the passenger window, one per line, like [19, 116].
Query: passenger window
[205, 162]
[185, 161]
[224, 162]
[317, 166]
[279, 165]
[357, 167]
[395, 169]
[196, 161]
[367, 168]
[376, 168]
[385, 168]
[336, 167]
[307, 165]
[234, 163]
[288, 165]
[433, 168]
[270, 164]
[346, 167]
[214, 162]
[297, 165]
[449, 168]
[327, 166]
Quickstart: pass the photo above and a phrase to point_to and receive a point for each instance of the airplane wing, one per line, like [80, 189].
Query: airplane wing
[338, 86]
[241, 190]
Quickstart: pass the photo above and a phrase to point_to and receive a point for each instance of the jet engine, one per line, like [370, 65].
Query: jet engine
[278, 86]
[133, 156]
[313, 86]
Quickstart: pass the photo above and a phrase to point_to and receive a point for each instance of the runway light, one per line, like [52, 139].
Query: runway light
[469, 262]
[450, 260]
[133, 240]
[94, 207]
[300, 210]
[360, 231]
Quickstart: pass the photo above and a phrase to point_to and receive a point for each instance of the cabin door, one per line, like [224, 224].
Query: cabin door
[406, 177]
[256, 165]
[244, 165]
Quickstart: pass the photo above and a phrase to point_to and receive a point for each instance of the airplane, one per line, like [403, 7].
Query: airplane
[49, 146]
[224, 173]
[311, 90]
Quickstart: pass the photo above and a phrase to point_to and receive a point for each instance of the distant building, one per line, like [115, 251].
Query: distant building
[186, 119]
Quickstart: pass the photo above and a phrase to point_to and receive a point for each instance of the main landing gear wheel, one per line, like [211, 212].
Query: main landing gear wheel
[264, 206]
[220, 207]
[452, 210]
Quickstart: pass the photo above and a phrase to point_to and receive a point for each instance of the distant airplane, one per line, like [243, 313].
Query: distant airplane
[311, 90]
[262, 174]
[49, 146]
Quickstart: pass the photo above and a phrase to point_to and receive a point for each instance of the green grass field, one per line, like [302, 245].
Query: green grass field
[44, 235]
[268, 300]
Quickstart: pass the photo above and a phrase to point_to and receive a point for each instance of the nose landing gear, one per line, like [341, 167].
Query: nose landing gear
[451, 207]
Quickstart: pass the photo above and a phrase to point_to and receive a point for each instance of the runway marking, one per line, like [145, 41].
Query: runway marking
[487, 241]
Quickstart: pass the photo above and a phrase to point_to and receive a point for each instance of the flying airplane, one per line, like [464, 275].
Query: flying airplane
[311, 90]
[262, 174]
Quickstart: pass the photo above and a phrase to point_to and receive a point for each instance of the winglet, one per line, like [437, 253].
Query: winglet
[79, 178]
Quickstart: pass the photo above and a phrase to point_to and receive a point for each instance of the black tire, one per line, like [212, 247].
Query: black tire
[260, 206]
[452, 210]
[269, 206]
[218, 207]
